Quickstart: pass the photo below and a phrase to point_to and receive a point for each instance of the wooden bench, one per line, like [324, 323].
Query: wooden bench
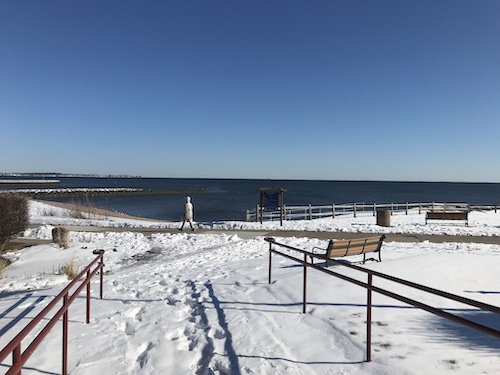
[447, 215]
[358, 246]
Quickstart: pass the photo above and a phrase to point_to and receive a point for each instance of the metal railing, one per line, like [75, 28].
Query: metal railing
[309, 212]
[19, 358]
[370, 287]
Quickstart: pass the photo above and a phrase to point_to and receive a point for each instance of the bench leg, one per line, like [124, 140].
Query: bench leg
[375, 260]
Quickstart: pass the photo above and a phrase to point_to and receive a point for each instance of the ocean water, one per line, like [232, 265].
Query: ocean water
[229, 199]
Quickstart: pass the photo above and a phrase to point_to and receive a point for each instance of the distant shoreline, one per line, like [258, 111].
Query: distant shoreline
[29, 182]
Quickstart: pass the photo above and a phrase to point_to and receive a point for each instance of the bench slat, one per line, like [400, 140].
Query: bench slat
[342, 248]
[448, 215]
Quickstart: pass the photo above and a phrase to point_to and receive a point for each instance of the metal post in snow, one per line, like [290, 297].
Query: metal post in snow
[369, 319]
[270, 264]
[88, 297]
[16, 356]
[65, 336]
[333, 211]
[354, 208]
[304, 286]
[102, 276]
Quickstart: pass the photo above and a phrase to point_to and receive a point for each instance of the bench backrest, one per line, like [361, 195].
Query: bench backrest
[341, 248]
[447, 215]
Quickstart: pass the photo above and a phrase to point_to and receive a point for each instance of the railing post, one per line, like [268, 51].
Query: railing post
[304, 286]
[65, 336]
[354, 208]
[333, 211]
[419, 208]
[374, 209]
[369, 319]
[270, 264]
[101, 274]
[406, 208]
[88, 296]
[16, 356]
[310, 212]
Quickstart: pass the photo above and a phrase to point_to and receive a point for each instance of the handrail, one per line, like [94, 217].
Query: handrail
[371, 288]
[14, 346]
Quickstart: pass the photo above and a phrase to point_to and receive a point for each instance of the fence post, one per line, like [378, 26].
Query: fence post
[333, 210]
[419, 208]
[392, 208]
[310, 212]
[374, 209]
[369, 319]
[354, 208]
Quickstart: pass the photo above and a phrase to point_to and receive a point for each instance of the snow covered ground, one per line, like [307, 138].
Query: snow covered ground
[189, 303]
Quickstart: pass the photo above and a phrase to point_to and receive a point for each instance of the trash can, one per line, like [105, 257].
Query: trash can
[384, 218]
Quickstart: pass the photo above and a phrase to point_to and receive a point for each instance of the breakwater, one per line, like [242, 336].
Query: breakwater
[98, 192]
[29, 182]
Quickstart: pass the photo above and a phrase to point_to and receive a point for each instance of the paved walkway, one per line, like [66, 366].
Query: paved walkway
[247, 234]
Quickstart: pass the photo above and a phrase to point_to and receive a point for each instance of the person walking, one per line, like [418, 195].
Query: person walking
[188, 214]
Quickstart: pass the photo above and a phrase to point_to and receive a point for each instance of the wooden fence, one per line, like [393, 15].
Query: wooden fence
[309, 212]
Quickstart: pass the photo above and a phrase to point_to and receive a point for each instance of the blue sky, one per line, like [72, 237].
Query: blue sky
[361, 90]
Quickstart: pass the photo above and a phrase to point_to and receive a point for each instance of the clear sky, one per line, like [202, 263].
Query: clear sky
[337, 89]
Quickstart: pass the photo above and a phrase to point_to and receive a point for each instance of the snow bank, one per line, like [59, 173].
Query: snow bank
[200, 304]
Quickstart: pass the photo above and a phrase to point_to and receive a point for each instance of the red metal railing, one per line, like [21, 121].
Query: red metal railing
[371, 288]
[19, 358]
